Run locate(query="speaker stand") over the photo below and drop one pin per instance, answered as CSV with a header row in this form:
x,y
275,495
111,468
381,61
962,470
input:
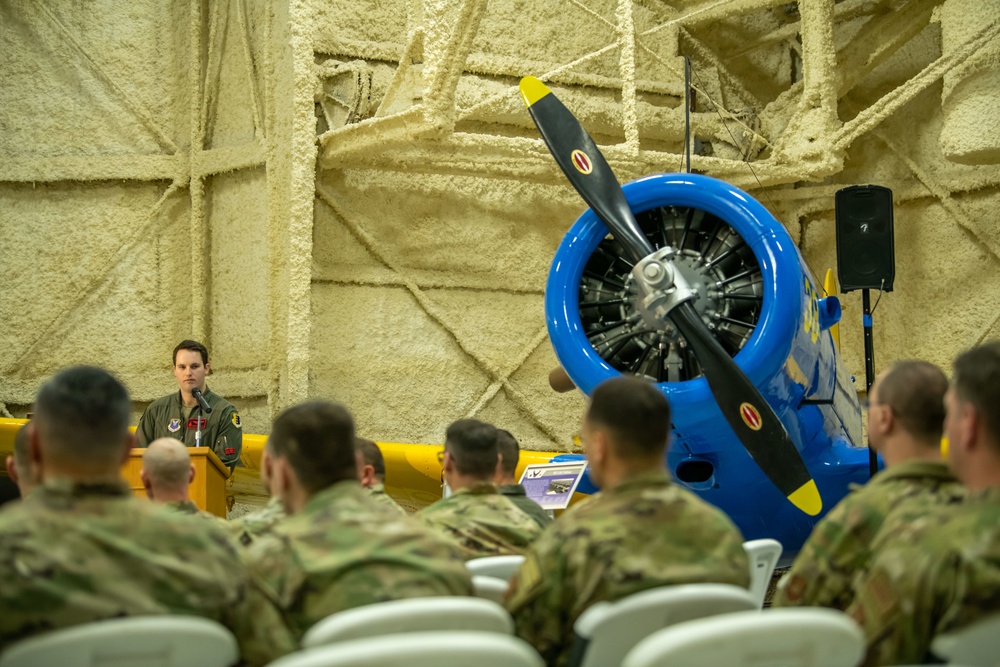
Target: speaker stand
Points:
x,y
866,306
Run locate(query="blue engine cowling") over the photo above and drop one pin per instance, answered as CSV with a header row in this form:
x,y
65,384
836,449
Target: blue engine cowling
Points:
x,y
790,357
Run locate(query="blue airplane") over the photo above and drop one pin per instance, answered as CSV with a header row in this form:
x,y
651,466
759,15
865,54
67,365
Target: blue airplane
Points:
x,y
690,282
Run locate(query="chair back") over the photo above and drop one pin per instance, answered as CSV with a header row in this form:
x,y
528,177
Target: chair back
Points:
x,y
138,641
446,613
800,637
422,649
500,567
977,645
489,588
608,630
763,556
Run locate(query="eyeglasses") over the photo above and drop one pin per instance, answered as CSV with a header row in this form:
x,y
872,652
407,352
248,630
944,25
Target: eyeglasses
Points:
x,y
440,457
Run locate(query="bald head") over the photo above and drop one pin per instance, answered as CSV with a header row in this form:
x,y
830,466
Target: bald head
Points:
x,y
167,470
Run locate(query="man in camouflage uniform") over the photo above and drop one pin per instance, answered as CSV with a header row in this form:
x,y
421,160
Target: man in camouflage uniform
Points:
x,y
371,472
508,486
905,421
476,516
253,525
167,473
339,548
19,463
942,572
82,548
177,415
640,532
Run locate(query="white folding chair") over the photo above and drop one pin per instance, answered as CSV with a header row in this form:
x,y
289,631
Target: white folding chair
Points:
x,y
500,567
139,641
608,630
420,649
977,645
800,637
444,613
763,556
489,588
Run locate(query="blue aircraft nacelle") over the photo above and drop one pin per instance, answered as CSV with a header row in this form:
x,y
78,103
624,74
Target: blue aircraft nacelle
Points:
x,y
761,301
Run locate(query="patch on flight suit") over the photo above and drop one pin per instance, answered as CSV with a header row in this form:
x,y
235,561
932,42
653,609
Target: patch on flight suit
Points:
x,y
229,450
174,425
192,423
236,421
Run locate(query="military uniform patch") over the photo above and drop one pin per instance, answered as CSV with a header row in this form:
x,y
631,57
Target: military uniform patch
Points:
x,y
236,421
174,425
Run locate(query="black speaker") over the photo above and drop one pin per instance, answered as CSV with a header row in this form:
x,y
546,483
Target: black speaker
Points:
x,y
865,255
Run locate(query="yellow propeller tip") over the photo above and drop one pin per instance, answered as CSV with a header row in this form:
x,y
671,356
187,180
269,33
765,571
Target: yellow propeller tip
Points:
x,y
532,90
807,498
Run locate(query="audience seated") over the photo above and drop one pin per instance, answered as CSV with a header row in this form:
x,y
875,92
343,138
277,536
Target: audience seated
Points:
x,y
167,473
250,526
905,422
82,548
339,548
508,486
19,463
371,472
475,515
942,571
641,531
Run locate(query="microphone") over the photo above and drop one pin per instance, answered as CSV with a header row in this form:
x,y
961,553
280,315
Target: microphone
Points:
x,y
201,400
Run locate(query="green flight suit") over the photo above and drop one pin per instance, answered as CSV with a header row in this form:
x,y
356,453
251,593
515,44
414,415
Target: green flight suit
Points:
x,y
644,533
841,544
168,417
517,495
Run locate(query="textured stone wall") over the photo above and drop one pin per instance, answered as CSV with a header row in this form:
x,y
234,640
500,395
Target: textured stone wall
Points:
x,y
347,198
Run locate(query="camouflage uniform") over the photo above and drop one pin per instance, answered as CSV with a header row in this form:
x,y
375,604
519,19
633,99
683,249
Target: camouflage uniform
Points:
x,y
377,492
517,495
188,508
482,522
939,574
254,525
73,553
345,550
641,534
168,417
841,544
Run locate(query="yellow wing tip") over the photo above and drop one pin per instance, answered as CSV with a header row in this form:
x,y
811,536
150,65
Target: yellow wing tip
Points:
x,y
807,498
532,90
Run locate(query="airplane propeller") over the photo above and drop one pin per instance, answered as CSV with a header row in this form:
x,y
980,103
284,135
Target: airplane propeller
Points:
x,y
663,294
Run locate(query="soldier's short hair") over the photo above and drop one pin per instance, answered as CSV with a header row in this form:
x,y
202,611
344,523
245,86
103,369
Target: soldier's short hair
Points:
x,y
22,457
509,451
473,447
82,414
372,456
167,463
635,413
194,346
977,381
915,391
317,440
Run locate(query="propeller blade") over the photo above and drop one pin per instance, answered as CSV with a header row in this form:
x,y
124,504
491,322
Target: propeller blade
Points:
x,y
584,165
751,418
754,422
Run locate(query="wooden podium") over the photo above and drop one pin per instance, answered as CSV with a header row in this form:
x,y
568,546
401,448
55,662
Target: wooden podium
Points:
x,y
208,490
